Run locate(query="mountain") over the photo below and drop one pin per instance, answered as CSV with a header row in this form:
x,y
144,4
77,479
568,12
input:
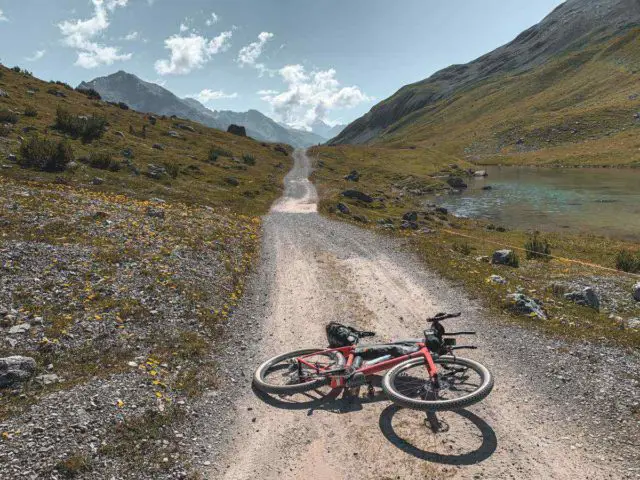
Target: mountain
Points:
x,y
322,129
149,97
571,78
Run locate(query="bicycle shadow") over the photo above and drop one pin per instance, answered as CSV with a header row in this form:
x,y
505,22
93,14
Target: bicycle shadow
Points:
x,y
332,401
483,452
325,399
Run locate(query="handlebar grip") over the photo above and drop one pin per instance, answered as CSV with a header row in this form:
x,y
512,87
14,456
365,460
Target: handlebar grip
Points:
x,y
366,334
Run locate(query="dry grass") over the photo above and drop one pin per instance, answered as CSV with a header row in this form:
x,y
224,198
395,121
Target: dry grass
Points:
x,y
576,110
197,182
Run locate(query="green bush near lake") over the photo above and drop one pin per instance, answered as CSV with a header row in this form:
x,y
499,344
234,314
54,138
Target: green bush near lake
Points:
x,y
537,248
627,261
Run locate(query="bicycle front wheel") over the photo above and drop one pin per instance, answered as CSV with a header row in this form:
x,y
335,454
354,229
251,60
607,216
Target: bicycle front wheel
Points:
x,y
282,375
461,382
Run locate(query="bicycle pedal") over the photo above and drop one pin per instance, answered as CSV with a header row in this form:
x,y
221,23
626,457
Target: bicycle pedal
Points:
x,y
356,380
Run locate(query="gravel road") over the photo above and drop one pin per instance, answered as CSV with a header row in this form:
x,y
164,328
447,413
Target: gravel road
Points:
x,y
558,411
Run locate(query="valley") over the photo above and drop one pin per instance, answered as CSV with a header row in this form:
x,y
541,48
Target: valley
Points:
x,y
154,250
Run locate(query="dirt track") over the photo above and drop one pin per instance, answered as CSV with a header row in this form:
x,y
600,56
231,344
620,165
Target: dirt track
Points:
x,y
316,270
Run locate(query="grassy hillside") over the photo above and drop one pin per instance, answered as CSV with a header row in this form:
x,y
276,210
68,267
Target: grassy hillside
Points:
x,y
459,249
191,175
578,109
118,281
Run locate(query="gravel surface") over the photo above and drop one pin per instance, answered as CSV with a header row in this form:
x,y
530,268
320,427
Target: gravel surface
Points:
x,y
559,410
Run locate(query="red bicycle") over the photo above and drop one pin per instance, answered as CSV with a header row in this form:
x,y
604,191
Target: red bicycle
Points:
x,y
424,374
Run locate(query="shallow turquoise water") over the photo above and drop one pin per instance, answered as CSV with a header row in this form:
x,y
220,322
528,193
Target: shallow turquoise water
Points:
x,y
603,202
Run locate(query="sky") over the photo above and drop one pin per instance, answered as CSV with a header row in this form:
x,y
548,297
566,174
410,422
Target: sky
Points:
x,y
297,61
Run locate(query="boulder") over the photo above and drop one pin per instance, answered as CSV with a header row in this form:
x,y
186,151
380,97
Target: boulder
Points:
x,y
503,257
361,218
156,171
357,195
410,216
483,259
487,187
158,146
48,379
480,173
233,181
496,280
153,120
16,369
281,149
442,210
173,134
3,93
586,297
237,130
97,181
354,176
127,153
405,225
342,208
524,305
12,158
636,292
633,323
188,128
456,182
20,328
154,212
118,133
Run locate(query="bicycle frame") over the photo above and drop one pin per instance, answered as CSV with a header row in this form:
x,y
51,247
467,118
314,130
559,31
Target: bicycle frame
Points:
x,y
338,380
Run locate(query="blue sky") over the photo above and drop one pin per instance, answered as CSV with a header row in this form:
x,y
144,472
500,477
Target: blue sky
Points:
x,y
296,60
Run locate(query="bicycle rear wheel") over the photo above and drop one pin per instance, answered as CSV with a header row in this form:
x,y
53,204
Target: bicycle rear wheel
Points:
x,y
462,382
281,375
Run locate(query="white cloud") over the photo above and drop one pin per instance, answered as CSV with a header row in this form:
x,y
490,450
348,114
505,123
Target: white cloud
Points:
x,y
310,96
249,54
131,36
79,34
214,19
207,95
183,27
36,56
2,17
191,52
262,93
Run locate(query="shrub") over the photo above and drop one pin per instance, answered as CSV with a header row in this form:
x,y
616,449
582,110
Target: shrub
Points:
x,y
248,159
627,261
90,93
87,128
7,116
62,84
123,106
46,155
172,169
462,247
30,112
537,247
213,156
16,69
103,161
513,260
221,152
